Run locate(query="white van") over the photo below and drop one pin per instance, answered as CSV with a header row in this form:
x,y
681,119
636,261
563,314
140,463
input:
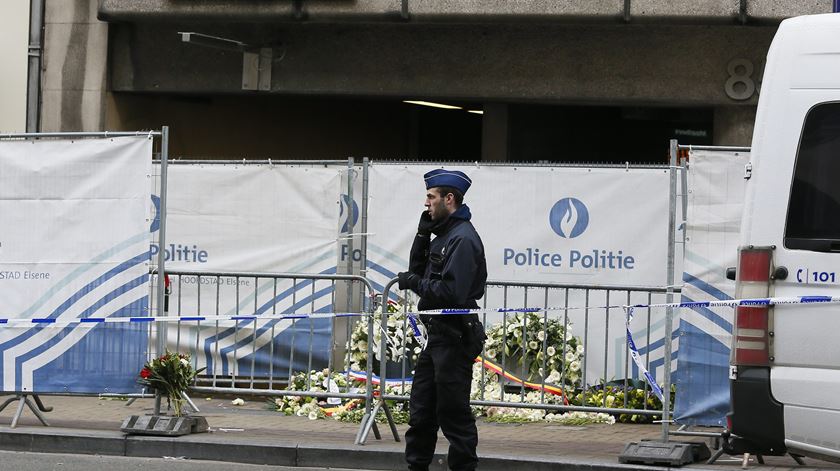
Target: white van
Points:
x,y
785,363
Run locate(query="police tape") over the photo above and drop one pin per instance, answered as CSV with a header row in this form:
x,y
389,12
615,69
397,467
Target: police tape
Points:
x,y
690,304
637,359
93,321
628,318
634,352
414,321
413,314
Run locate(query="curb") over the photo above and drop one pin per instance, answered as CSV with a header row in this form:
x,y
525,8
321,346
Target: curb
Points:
x,y
224,449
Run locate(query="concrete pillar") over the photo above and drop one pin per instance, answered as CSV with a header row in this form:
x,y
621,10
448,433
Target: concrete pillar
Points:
x,y
494,133
75,64
14,24
733,125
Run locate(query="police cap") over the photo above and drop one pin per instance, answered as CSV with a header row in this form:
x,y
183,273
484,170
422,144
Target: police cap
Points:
x,y
443,177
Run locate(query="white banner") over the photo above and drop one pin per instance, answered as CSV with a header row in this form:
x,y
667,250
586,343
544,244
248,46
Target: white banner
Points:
x,y
716,181
74,243
256,219
592,226
566,225
552,224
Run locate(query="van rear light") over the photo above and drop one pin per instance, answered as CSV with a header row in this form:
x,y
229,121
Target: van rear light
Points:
x,y
754,265
751,339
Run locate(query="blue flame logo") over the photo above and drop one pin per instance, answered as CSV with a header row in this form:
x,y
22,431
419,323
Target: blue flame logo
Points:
x,y
155,220
569,218
346,226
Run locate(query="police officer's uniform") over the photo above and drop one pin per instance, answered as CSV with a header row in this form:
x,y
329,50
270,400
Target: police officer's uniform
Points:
x,y
451,273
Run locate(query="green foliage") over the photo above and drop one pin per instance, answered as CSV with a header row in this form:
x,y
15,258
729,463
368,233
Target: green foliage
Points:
x,y
172,374
615,397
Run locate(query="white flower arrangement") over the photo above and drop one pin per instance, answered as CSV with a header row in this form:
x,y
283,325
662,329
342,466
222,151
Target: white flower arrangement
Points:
x,y
492,390
315,380
579,418
343,410
552,355
401,340
543,344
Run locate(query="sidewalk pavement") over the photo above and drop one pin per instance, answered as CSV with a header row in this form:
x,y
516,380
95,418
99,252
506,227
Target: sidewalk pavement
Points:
x,y
254,434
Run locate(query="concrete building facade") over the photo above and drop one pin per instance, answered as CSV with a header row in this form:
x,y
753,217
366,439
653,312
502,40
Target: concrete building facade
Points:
x,y
558,80
14,29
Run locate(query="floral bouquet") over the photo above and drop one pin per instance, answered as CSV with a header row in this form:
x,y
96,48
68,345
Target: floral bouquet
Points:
x,y
635,396
544,345
401,341
170,374
342,410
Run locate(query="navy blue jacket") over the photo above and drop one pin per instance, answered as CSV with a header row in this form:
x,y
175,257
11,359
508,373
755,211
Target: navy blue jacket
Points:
x,y
452,265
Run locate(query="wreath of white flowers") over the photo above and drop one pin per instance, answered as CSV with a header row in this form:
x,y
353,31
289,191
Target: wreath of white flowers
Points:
x,y
544,345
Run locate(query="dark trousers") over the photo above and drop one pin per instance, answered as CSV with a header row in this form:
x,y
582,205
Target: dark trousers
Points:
x,y
440,398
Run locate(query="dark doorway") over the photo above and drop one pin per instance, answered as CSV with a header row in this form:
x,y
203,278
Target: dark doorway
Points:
x,y
445,134
602,134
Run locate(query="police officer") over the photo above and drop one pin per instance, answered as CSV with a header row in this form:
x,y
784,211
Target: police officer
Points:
x,y
448,271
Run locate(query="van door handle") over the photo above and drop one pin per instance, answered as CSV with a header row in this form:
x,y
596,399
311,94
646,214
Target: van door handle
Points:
x,y
730,273
780,273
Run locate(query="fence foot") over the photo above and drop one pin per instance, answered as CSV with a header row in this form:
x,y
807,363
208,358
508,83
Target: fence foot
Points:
x,y
7,402
363,430
391,422
718,453
369,422
131,401
375,429
40,404
190,402
23,400
798,459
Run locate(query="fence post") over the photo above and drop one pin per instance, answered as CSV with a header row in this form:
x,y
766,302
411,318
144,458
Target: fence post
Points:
x,y
161,273
350,230
364,221
669,296
383,347
369,363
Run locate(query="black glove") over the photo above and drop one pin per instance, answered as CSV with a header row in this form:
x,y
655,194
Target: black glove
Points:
x,y
408,280
426,224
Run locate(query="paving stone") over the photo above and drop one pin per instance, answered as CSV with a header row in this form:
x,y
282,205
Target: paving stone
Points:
x,y
254,434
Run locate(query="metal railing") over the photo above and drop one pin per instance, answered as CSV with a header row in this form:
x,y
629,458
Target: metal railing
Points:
x,y
263,331
265,328
551,306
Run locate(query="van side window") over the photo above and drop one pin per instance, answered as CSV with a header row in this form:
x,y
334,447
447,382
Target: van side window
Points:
x,y
813,217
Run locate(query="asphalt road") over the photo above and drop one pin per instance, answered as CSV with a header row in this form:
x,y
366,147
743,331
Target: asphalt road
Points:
x,y
21,461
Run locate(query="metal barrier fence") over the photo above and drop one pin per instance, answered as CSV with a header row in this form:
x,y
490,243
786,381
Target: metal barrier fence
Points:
x,y
253,344
267,327
509,379
106,305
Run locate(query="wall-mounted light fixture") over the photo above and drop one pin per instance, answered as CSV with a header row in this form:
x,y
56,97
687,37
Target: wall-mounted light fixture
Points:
x,y
432,104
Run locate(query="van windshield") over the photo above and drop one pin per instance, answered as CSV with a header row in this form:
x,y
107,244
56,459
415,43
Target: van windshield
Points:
x,y
813,218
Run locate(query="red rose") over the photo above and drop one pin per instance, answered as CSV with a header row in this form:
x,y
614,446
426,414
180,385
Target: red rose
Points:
x,y
145,373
